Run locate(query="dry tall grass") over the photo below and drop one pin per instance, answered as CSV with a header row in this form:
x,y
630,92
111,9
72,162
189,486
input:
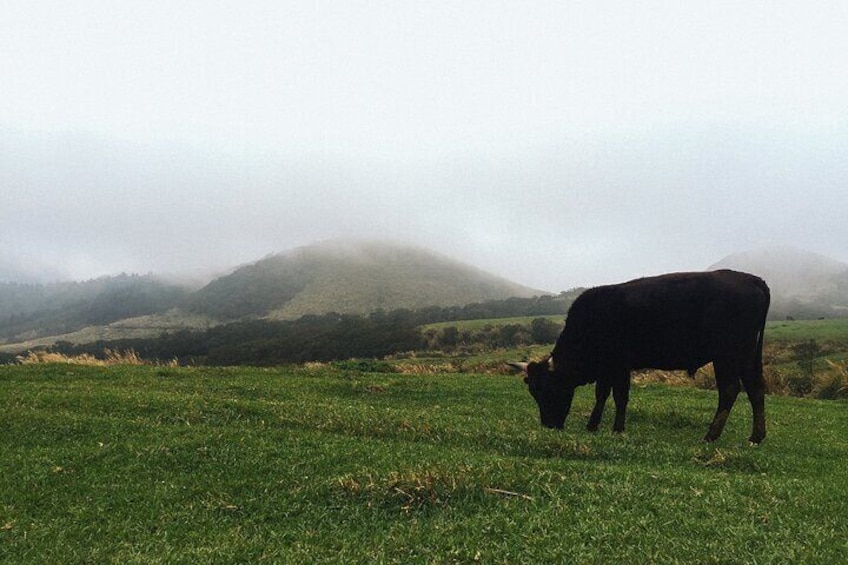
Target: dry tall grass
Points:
x,y
110,358
833,383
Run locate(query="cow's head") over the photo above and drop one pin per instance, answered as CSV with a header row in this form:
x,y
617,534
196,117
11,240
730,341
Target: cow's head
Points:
x,y
552,393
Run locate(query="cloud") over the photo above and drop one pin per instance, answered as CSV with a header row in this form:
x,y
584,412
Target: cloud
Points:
x,y
554,143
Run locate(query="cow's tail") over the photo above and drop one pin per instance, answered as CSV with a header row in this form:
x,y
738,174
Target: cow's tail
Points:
x,y
761,284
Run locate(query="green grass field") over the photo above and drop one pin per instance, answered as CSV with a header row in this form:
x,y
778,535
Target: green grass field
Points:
x,y
320,464
794,330
482,323
832,329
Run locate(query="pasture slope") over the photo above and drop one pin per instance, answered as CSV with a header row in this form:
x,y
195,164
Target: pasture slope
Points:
x,y
329,464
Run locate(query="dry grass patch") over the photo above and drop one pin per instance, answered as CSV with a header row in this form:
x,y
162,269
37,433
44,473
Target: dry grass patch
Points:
x,y
110,358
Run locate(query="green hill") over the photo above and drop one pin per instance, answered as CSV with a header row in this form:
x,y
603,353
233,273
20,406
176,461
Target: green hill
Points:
x,y
342,277
348,277
28,311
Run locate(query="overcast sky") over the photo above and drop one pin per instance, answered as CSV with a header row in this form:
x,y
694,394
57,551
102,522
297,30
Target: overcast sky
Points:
x,y
556,143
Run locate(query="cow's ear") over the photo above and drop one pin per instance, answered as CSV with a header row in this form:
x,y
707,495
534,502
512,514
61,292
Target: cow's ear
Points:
x,y
519,366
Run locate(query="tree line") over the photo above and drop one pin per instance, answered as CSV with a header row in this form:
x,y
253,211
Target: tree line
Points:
x,y
334,336
37,310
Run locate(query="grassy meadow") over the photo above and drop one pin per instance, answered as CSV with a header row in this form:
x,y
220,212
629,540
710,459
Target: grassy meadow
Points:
x,y
482,323
830,329
332,463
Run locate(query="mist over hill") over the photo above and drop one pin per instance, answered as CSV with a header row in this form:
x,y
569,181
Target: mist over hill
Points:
x,y
353,277
32,310
350,277
357,277
803,284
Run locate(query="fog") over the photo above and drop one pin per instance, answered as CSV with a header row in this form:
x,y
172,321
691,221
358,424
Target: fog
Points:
x,y
558,144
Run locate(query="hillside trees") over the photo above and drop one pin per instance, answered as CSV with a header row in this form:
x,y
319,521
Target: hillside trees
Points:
x,y
37,310
491,336
257,289
328,337
263,343
543,330
324,337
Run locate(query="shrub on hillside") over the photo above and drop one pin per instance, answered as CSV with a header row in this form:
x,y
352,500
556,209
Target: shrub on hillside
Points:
x,y
833,383
544,330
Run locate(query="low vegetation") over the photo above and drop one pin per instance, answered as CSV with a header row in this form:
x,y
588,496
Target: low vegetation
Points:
x,y
336,336
353,462
801,358
807,358
110,358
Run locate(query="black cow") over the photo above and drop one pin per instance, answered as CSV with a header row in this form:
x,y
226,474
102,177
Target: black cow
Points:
x,y
675,321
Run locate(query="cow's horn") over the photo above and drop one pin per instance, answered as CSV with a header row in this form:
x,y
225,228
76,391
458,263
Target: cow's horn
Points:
x,y
520,366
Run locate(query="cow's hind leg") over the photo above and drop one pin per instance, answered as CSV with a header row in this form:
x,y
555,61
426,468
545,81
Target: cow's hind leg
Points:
x,y
755,388
621,396
728,389
602,392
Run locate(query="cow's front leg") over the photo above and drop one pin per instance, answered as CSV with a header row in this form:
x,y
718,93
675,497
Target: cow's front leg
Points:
x,y
602,391
621,396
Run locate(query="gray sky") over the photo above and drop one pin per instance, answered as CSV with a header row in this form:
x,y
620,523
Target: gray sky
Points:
x,y
556,143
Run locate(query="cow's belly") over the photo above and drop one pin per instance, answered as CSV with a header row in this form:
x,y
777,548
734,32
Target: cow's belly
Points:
x,y
670,359
691,365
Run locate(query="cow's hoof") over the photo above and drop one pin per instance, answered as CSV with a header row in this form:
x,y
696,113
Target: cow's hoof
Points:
x,y
756,439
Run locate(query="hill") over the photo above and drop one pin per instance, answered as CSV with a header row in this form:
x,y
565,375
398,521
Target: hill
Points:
x,y
29,311
351,278
803,284
348,278
358,277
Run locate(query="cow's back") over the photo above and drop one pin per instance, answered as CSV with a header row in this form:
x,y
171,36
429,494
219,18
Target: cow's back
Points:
x,y
675,321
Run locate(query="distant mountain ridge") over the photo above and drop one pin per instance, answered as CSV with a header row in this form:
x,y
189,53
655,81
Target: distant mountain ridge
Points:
x,y
803,284
349,277
357,277
32,310
353,277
